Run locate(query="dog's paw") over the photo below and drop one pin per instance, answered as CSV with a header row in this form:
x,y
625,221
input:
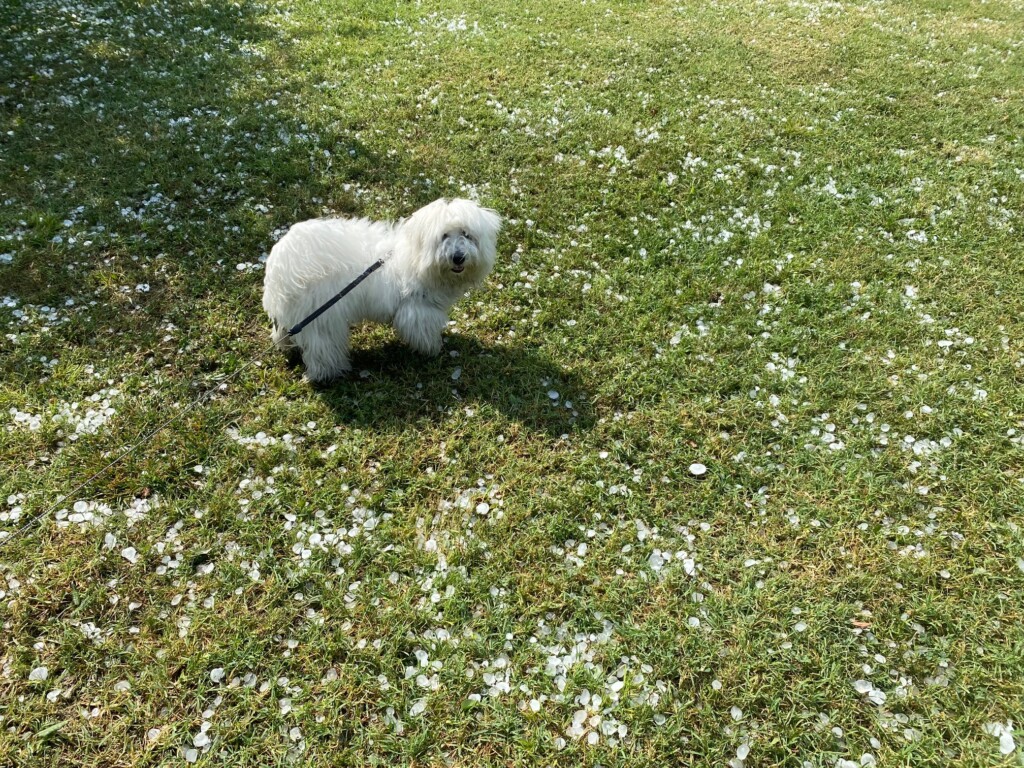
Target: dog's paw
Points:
x,y
321,378
433,349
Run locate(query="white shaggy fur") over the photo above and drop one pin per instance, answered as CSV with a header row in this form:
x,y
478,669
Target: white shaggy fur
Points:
x,y
432,258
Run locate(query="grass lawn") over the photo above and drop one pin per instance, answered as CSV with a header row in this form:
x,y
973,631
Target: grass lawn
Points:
x,y
779,238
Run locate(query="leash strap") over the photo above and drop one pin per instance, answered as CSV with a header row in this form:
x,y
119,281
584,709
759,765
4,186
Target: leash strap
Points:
x,y
337,297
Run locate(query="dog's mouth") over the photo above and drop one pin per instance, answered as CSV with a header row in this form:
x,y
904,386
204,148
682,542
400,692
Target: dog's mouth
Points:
x,y
458,268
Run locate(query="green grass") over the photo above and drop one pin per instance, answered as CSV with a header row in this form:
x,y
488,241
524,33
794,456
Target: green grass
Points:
x,y
782,239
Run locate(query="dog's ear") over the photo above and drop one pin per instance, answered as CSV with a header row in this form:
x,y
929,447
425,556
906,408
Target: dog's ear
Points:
x,y
421,227
490,221
487,224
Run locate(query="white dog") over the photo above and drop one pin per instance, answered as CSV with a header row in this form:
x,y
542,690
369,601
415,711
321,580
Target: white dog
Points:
x,y
430,260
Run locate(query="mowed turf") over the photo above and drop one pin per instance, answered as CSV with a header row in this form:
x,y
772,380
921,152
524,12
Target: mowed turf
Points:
x,y
778,239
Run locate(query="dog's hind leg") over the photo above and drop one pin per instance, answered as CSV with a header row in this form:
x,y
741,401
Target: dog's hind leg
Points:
x,y
285,344
281,338
325,355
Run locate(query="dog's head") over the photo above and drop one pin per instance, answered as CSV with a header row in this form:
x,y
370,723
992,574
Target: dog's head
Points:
x,y
453,241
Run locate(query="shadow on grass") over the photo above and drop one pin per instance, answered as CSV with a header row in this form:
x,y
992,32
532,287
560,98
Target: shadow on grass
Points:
x,y
393,387
184,160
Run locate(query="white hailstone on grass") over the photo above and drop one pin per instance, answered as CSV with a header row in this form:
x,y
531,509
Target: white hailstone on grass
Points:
x,y
878,697
152,734
217,674
200,740
38,674
800,626
418,707
191,755
742,751
1006,744
698,470
868,691
716,684
129,554
456,374
736,713
553,394
1003,732
122,686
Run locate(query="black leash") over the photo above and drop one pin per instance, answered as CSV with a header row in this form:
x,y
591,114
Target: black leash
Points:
x,y
296,329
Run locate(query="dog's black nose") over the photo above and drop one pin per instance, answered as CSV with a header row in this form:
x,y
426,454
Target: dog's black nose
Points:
x,y
458,259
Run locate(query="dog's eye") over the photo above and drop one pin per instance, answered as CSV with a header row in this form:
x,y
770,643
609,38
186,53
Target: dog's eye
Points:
x,y
444,237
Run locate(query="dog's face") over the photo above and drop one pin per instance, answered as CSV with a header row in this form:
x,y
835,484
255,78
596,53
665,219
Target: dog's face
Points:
x,y
459,247
455,241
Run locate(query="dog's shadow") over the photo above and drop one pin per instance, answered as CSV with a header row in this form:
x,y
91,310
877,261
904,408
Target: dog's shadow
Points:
x,y
392,387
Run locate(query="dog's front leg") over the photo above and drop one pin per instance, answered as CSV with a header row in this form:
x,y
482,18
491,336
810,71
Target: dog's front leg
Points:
x,y
420,326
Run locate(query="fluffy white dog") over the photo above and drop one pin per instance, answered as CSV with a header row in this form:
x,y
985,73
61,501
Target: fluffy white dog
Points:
x,y
430,260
